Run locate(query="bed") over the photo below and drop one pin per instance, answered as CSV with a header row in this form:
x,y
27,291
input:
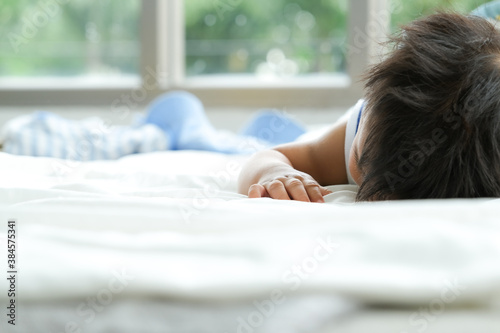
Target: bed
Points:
x,y
162,242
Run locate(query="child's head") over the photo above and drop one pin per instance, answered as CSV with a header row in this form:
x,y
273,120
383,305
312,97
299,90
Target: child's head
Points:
x,y
432,118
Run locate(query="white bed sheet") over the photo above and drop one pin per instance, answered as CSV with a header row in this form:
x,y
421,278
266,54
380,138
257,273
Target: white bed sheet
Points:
x,y
172,225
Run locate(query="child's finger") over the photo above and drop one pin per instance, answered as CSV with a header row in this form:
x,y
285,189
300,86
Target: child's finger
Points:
x,y
296,190
257,191
324,191
277,190
314,192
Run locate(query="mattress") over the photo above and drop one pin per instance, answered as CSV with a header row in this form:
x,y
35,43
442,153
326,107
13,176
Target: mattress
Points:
x,y
104,245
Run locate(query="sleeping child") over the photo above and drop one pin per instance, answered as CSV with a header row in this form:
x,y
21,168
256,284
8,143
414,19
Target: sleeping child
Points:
x,y
428,127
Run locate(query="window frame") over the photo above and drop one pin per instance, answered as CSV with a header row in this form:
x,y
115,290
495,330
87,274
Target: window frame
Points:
x,y
162,68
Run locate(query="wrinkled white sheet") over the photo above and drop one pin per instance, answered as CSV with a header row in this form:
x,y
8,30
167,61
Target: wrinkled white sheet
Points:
x,y
171,224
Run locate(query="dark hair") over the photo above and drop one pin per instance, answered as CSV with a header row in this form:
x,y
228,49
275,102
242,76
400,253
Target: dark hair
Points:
x,y
432,113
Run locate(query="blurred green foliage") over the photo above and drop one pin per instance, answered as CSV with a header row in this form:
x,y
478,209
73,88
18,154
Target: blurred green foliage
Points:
x,y
404,11
72,38
216,43
283,37
237,36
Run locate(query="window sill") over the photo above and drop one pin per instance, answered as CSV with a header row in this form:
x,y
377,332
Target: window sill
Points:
x,y
215,91
69,83
315,81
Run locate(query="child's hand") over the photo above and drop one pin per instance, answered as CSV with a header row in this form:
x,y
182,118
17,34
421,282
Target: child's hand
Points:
x,y
292,186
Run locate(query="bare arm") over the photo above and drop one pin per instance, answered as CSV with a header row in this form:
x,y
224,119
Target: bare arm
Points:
x,y
299,170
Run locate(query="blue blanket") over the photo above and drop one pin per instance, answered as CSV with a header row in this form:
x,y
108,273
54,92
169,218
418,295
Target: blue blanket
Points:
x,y
175,121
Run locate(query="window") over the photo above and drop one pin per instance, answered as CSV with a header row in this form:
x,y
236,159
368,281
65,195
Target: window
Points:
x,y
406,11
77,38
280,38
282,53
